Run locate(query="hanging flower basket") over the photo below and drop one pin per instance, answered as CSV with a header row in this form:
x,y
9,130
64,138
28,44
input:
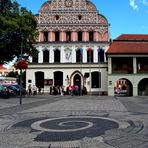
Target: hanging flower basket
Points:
x,y
21,64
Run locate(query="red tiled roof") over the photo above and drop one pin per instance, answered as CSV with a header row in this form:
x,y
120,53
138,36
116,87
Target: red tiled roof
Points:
x,y
2,68
129,44
133,37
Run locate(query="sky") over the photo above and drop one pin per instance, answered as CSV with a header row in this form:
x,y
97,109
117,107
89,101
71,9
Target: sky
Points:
x,y
124,16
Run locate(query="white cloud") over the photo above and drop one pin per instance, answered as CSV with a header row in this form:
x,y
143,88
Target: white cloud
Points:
x,y
145,2
133,4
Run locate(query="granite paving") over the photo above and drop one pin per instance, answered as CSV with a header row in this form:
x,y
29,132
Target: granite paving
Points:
x,y
46,121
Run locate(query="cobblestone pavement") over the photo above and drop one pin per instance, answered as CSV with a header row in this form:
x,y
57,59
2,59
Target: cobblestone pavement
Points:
x,y
45,121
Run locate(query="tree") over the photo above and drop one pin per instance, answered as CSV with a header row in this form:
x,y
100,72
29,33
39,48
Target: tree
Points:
x,y
5,6
17,30
13,74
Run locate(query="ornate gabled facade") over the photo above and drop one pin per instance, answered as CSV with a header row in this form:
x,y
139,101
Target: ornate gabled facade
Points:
x,y
73,38
81,15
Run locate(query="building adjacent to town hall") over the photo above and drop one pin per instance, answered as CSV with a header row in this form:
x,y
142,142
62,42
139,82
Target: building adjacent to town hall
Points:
x,y
73,39
128,65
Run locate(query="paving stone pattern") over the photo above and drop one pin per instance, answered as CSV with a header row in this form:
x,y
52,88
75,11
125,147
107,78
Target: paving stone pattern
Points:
x,y
100,122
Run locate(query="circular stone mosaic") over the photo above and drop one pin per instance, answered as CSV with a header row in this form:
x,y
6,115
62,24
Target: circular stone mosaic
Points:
x,y
69,128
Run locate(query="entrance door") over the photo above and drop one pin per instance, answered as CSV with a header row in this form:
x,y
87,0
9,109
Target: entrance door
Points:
x,y
77,82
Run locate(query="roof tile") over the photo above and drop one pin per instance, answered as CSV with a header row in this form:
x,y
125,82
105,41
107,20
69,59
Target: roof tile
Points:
x,y
129,44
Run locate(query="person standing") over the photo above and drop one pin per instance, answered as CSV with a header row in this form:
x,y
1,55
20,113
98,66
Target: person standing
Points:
x,y
34,89
77,90
39,90
29,89
72,90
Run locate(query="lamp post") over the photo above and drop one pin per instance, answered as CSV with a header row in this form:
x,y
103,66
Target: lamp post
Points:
x,y
21,73
21,64
81,85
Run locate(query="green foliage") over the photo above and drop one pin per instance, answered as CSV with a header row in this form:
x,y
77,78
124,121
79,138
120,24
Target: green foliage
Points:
x,y
17,25
13,74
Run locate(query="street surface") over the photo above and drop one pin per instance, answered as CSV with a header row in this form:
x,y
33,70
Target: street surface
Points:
x,y
44,121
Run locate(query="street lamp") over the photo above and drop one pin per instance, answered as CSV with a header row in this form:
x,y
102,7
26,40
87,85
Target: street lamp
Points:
x,y
21,73
21,64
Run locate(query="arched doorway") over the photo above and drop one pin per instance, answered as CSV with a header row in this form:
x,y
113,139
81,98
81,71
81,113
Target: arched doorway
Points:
x,y
123,87
143,87
77,80
77,84
39,79
58,78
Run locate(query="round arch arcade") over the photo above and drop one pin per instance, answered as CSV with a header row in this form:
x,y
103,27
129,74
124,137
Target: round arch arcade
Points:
x,y
123,87
143,87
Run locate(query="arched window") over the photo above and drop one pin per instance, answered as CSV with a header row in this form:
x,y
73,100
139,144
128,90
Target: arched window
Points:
x,y
79,56
46,56
90,55
96,79
57,56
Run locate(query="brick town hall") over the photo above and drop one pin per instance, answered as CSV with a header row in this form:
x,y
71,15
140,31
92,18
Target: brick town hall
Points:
x,y
73,38
72,46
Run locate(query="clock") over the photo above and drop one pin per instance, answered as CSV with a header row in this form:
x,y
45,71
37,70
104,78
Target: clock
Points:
x,y
68,3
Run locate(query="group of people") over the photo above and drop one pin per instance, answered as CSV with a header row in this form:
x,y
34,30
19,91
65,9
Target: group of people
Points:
x,y
73,90
32,89
56,90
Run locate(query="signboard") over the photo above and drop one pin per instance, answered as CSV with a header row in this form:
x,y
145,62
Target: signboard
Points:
x,y
48,81
8,80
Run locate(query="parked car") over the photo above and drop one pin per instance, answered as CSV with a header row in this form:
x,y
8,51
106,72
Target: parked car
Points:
x,y
18,88
12,90
4,92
